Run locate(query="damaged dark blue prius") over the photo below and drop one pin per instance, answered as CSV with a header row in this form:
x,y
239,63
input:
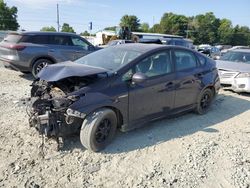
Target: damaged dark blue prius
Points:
x,y
120,87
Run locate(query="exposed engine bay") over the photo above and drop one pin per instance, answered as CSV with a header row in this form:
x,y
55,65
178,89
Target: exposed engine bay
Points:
x,y
49,105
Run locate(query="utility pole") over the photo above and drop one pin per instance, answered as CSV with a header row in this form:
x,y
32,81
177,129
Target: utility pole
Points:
x,y
58,23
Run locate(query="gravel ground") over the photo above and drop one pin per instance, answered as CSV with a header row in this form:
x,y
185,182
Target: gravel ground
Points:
x,y
189,151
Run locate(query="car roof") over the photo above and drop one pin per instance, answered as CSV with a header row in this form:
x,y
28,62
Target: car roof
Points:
x,y
47,33
139,47
241,50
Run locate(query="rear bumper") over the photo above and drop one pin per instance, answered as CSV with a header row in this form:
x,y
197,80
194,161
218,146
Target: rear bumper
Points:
x,y
14,65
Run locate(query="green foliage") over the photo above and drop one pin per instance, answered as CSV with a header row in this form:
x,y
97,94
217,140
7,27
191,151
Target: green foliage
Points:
x,y
206,28
51,28
156,28
112,28
85,33
8,17
241,35
130,21
67,28
225,31
144,27
174,24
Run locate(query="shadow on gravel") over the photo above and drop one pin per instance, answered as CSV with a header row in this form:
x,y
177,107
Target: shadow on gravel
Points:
x,y
27,76
223,108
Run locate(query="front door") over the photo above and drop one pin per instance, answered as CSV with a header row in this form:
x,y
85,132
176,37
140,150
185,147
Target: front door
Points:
x,y
155,96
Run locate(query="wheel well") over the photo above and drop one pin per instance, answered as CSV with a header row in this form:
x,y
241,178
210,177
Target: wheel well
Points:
x,y
43,57
212,89
118,115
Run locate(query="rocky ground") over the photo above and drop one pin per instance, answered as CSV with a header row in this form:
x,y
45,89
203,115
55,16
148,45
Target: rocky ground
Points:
x,y
189,151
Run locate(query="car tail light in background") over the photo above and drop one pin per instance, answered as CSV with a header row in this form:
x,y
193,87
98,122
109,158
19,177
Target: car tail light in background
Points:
x,y
14,47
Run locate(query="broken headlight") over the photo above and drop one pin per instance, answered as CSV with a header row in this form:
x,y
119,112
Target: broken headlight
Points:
x,y
75,113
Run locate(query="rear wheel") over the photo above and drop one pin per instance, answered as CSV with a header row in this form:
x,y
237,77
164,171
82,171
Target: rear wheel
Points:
x,y
98,129
39,65
204,101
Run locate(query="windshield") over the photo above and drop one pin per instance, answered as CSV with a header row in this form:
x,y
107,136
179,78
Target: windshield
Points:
x,y
243,57
111,58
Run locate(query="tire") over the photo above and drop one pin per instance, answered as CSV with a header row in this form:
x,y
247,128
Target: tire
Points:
x,y
38,65
93,135
204,101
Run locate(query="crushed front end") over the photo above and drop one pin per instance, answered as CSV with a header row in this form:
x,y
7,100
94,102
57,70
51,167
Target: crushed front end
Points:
x,y
49,109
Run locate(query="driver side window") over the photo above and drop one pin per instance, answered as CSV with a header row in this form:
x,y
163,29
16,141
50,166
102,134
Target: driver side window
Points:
x,y
155,65
79,42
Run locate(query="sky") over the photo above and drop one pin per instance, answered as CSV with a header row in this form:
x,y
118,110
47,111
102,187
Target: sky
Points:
x,y
35,14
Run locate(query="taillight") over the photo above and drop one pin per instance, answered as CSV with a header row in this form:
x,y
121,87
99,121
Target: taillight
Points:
x,y
15,47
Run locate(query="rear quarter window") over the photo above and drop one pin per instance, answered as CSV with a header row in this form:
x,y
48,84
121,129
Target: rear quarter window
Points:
x,y
13,38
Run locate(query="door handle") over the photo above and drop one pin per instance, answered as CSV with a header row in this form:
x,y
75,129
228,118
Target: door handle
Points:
x,y
77,51
169,85
199,75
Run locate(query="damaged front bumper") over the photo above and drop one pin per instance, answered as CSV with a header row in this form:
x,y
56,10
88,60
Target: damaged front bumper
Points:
x,y
53,117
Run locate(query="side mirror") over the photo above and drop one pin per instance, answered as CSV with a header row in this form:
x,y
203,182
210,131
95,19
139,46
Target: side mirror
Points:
x,y
139,78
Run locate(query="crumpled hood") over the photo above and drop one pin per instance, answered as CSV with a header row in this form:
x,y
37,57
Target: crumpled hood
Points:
x,y
67,69
233,66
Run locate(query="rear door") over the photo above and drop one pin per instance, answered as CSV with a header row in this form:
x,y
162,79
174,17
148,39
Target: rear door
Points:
x,y
188,77
155,96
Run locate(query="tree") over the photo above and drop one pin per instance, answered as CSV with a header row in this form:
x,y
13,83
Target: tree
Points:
x,y
112,28
144,27
130,21
67,28
225,31
8,17
206,29
174,24
241,35
156,28
85,33
51,28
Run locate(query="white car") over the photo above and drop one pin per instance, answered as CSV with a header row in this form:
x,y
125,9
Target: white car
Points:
x,y
234,70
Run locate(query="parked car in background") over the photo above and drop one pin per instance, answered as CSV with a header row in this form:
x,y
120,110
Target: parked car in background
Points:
x,y
117,42
31,51
165,39
210,51
121,87
234,48
234,70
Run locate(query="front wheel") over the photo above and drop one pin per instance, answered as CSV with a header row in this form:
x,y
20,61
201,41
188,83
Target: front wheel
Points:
x,y
98,129
204,101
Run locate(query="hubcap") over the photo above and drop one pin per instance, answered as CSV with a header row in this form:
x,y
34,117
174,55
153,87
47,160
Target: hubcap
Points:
x,y
205,101
103,131
41,66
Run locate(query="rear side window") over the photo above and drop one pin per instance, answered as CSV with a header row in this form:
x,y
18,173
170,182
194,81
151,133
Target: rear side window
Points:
x,y
36,39
184,60
61,40
13,38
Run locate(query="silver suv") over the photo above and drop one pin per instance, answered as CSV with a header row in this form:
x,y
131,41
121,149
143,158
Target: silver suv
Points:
x,y
31,51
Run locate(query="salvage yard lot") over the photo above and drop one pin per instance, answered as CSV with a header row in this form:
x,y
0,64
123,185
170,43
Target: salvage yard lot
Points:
x,y
212,150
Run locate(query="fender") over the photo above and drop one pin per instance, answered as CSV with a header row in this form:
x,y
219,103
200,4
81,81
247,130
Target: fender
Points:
x,y
93,101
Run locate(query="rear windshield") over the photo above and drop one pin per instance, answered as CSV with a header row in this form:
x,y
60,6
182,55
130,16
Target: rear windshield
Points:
x,y
13,38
